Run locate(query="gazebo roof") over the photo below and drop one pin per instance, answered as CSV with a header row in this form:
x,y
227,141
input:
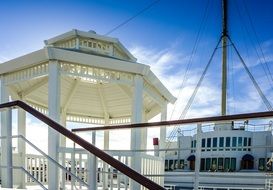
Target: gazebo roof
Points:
x,y
94,81
91,35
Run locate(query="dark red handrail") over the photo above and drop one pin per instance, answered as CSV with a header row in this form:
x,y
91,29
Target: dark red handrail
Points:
x,y
181,122
144,181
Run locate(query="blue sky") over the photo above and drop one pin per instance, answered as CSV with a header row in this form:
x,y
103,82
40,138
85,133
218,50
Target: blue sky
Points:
x,y
162,37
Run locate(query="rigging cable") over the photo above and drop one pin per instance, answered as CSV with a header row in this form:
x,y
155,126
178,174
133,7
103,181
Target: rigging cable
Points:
x,y
193,52
189,64
232,80
265,100
132,17
187,107
257,40
253,44
189,103
228,84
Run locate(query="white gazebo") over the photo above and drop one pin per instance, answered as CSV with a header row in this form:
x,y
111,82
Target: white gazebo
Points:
x,y
84,77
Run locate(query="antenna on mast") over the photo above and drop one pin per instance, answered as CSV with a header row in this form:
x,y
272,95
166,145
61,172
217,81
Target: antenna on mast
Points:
x,y
224,58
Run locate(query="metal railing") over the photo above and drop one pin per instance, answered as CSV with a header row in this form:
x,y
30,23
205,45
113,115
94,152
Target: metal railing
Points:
x,y
245,116
183,123
142,180
114,162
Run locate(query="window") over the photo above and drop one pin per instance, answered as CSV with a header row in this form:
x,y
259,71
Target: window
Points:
x,y
171,166
166,165
227,142
213,164
202,166
221,142
233,164
214,143
227,164
175,164
240,141
203,144
261,166
192,146
181,164
268,165
208,164
249,144
234,142
208,143
245,143
220,164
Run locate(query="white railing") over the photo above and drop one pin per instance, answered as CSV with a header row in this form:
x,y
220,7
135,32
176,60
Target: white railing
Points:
x,y
229,188
269,181
107,176
37,166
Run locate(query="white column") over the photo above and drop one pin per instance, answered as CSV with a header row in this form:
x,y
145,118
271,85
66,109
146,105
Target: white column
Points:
x,y
77,43
197,155
106,134
63,123
63,144
162,139
54,113
22,144
6,144
92,167
106,147
144,133
137,108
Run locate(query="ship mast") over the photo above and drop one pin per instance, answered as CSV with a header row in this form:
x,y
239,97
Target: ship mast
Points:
x,y
224,58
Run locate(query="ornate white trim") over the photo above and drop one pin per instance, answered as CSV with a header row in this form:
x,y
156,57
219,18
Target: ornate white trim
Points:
x,y
84,119
26,74
95,75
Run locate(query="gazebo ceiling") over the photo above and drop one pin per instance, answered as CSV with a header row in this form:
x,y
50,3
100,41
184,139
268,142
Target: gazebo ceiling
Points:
x,y
83,98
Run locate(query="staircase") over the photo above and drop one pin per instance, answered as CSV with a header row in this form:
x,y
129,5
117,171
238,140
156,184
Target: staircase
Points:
x,y
82,171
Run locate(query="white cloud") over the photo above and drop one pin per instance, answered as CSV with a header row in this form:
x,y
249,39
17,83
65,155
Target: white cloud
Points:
x,y
36,133
207,101
162,62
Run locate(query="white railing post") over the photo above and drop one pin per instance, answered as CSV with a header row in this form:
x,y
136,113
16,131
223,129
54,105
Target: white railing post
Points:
x,y
54,113
106,147
80,169
162,139
6,144
73,164
92,167
22,144
197,155
136,134
63,144
63,173
9,149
